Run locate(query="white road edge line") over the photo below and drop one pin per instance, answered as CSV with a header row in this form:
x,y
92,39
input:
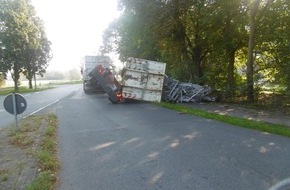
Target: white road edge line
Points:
x,y
40,109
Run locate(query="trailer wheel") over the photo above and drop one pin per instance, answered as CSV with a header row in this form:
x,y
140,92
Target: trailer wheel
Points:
x,y
85,89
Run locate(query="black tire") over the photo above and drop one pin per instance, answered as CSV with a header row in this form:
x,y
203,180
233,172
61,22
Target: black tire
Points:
x,y
85,90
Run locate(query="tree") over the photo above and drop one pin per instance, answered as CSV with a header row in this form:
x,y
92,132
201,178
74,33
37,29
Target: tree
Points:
x,y
132,34
38,50
21,39
272,49
209,41
175,30
13,37
38,56
256,14
231,17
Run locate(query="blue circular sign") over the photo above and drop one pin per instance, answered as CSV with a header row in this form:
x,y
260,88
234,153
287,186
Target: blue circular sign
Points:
x,y
19,101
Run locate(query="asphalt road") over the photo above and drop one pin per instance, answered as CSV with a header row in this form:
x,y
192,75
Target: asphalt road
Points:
x,y
36,102
142,146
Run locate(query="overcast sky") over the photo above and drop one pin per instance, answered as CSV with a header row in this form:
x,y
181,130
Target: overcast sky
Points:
x,y
75,28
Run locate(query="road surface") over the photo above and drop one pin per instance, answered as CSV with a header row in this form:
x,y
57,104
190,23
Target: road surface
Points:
x,y
36,102
143,146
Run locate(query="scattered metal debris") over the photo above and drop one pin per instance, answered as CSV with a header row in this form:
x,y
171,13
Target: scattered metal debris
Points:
x,y
175,91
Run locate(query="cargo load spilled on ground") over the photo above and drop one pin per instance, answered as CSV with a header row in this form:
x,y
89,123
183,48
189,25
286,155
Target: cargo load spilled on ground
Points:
x,y
175,91
146,80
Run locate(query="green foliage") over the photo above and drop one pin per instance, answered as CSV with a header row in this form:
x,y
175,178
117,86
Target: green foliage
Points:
x,y
138,38
23,44
206,41
23,90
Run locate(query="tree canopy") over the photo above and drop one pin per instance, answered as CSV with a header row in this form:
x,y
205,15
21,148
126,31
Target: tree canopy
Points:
x,y
24,46
234,46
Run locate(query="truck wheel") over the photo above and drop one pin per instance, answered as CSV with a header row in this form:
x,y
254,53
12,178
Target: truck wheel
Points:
x,y
85,89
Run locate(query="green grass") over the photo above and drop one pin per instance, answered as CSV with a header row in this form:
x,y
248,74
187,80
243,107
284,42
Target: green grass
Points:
x,y
242,122
4,174
24,135
25,89
44,182
22,90
46,154
47,158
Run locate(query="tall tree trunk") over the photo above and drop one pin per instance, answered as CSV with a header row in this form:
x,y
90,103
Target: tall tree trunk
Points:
x,y
230,54
230,74
15,85
197,55
251,45
15,76
30,83
190,70
34,76
197,64
29,76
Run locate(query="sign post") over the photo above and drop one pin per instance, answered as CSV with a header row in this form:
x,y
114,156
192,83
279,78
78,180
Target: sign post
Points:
x,y
15,104
15,109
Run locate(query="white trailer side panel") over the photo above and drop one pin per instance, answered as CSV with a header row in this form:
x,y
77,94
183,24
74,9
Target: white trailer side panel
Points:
x,y
141,94
152,67
143,79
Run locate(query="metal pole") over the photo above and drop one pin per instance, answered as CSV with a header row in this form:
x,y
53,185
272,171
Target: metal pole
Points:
x,y
14,109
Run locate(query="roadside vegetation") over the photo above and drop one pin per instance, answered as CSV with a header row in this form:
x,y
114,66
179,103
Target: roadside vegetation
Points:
x,y
30,153
25,89
25,48
246,123
47,158
235,47
22,90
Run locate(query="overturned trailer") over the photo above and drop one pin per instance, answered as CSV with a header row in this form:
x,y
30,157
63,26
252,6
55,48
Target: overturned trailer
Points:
x,y
143,79
146,80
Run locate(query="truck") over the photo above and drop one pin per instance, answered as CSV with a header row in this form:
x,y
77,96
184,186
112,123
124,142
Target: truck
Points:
x,y
88,63
141,80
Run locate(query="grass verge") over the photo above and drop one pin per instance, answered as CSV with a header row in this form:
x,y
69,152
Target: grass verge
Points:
x,y
36,135
242,122
47,158
22,89
25,89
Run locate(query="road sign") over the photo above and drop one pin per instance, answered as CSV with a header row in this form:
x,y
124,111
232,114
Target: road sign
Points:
x,y
20,104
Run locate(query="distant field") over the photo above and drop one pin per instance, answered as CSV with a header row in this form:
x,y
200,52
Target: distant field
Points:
x,y
38,82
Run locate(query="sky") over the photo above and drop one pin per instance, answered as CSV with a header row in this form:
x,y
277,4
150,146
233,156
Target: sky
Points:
x,y
75,28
